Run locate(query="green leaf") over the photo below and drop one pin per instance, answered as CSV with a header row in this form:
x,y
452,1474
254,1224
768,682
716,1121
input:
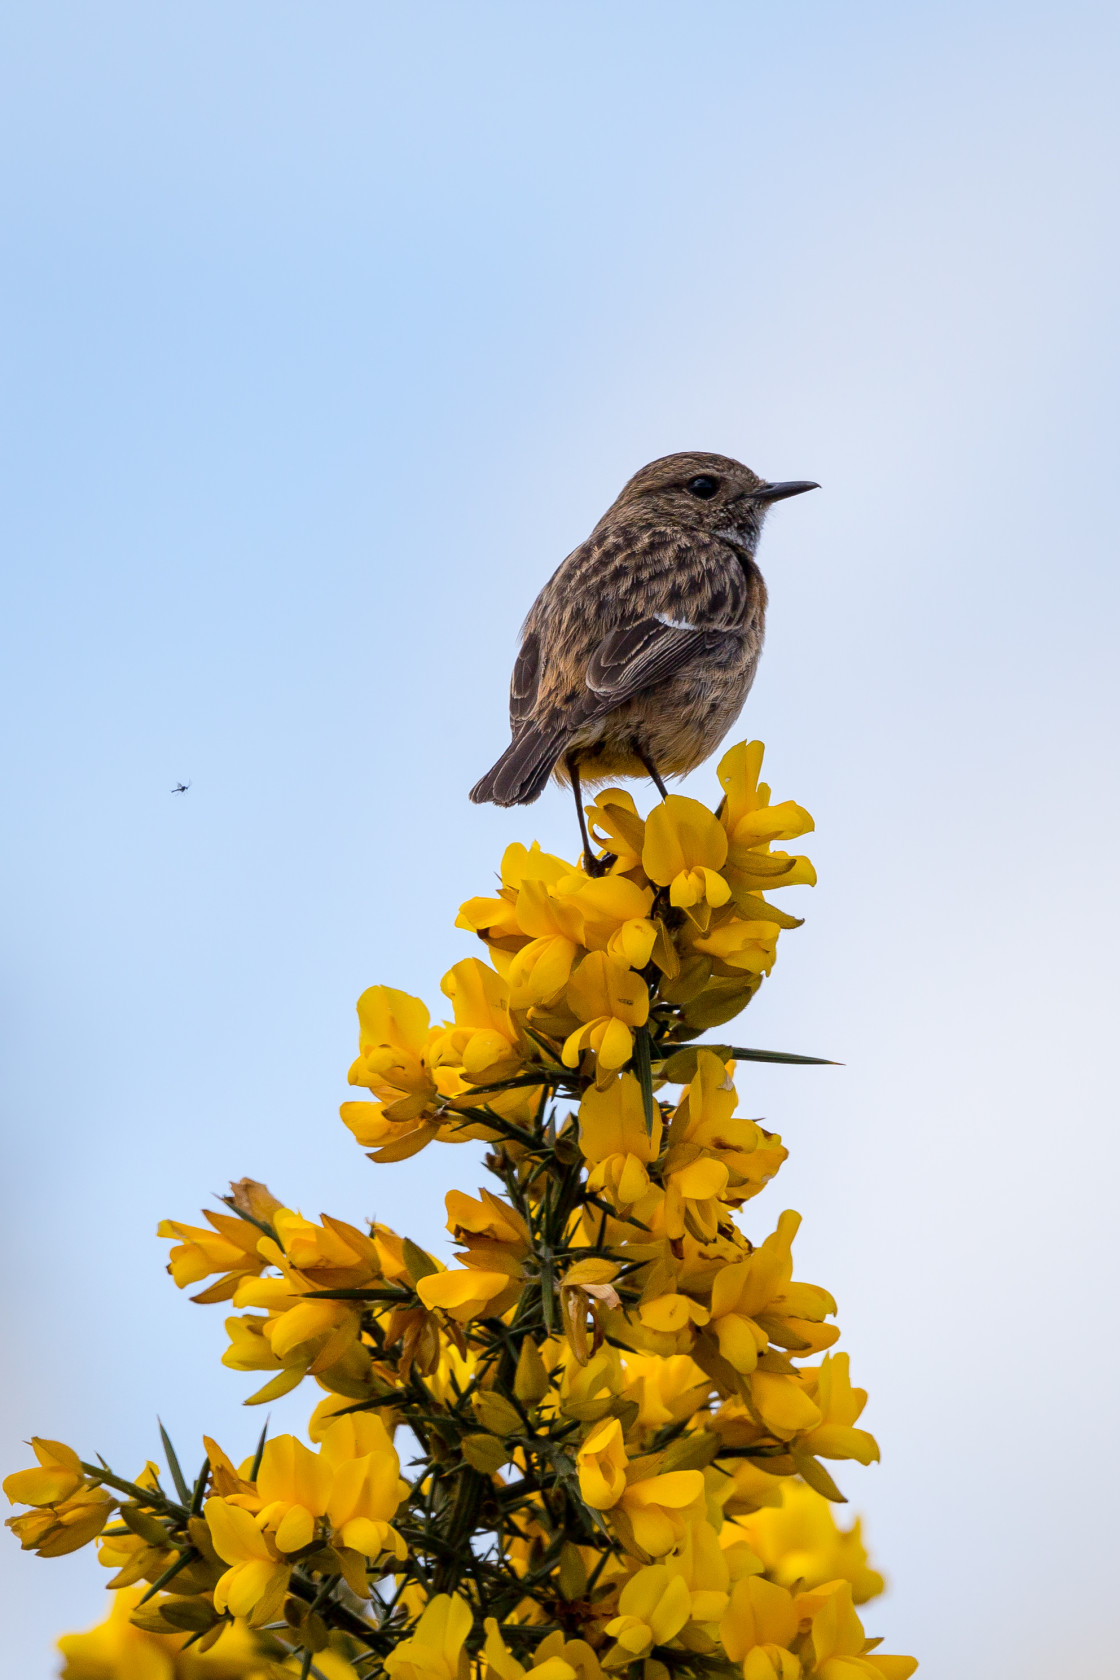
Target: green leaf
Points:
x,y
691,1452
495,1413
572,1574
417,1263
189,1615
484,1452
811,1470
148,1529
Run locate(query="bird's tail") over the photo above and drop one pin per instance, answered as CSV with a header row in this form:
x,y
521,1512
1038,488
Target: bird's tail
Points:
x,y
520,774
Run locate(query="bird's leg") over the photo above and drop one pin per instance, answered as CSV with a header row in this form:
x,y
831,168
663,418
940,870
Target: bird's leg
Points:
x,y
652,770
590,862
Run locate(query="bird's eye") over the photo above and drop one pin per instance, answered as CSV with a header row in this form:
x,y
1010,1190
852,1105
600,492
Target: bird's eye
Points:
x,y
703,487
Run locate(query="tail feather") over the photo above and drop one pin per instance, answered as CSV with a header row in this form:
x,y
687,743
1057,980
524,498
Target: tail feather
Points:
x,y
523,769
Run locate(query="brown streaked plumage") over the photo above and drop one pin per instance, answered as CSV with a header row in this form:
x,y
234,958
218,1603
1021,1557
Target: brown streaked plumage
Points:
x,y
639,652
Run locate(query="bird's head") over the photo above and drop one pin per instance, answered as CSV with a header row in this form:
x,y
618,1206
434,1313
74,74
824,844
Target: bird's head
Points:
x,y
708,492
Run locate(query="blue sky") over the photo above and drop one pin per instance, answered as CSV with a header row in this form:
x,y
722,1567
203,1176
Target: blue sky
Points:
x,y
328,331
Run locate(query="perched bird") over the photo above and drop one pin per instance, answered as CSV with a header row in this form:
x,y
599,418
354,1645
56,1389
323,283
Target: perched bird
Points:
x,y
639,652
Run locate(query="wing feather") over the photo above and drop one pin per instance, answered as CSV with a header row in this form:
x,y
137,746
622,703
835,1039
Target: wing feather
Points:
x,y
524,682
642,655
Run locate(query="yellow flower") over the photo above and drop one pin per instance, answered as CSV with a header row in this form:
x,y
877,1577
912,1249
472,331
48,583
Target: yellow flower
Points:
x,y
418,1071
667,1389
393,1140
59,1475
757,1629
117,1650
739,947
541,969
615,915
658,1510
551,1658
713,1159
392,1052
672,1313
685,848
328,1253
230,1248
495,919
495,1237
800,1540
70,1510
293,1484
346,1494
609,999
257,1579
761,1286
782,1404
483,1041
702,1565
302,1334
250,1350
763,1620
468,1292
751,1489
613,1137
617,827
753,824
587,1391
654,1606
436,1650
561,913
838,1640
365,1487
602,1465
829,1386
695,1198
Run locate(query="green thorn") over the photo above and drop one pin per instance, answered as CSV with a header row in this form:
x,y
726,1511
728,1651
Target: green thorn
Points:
x,y
199,1491
187,1555
177,1476
644,1071
259,1454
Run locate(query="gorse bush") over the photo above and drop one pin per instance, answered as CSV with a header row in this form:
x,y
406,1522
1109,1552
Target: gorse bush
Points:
x,y
596,1443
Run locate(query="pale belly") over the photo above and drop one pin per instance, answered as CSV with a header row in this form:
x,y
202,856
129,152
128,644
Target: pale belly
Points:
x,y
678,725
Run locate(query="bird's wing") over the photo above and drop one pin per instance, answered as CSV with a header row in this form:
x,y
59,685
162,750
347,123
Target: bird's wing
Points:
x,y
523,683
642,655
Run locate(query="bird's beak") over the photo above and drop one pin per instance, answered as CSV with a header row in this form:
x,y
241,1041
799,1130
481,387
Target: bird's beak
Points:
x,y
779,492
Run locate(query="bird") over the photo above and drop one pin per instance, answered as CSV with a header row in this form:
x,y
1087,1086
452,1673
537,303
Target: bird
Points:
x,y
639,652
